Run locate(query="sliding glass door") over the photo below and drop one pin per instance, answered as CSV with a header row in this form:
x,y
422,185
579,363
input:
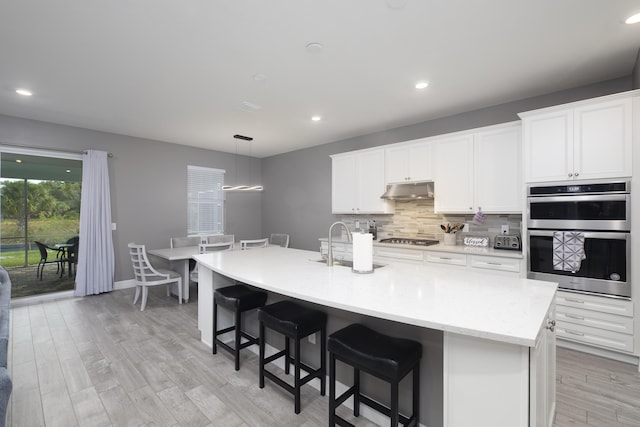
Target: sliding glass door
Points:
x,y
39,221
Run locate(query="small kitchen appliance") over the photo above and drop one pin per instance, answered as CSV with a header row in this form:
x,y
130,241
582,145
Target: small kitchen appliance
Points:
x,y
507,241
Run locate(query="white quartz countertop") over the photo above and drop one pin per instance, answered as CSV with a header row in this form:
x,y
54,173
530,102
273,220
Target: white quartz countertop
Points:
x,y
441,247
499,308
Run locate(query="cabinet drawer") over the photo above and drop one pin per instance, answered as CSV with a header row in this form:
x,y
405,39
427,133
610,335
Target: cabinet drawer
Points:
x,y
595,319
399,253
596,303
446,258
493,263
594,336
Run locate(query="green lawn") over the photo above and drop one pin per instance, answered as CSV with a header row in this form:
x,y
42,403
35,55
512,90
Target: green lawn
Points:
x,y
16,258
48,231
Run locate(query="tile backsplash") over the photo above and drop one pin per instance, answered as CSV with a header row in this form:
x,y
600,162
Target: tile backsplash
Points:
x,y
416,218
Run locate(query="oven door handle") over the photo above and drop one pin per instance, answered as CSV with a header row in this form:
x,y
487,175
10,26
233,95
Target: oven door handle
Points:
x,y
584,198
587,234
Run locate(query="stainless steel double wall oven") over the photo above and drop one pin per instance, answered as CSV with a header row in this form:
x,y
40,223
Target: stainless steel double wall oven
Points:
x,y
601,211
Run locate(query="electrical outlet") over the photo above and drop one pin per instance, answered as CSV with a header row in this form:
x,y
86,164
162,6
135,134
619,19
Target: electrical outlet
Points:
x,y
312,338
505,229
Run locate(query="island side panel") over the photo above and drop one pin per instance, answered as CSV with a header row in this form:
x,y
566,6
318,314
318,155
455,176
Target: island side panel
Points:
x,y
485,382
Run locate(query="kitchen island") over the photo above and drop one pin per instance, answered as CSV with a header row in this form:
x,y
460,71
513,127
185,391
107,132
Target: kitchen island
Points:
x,y
489,353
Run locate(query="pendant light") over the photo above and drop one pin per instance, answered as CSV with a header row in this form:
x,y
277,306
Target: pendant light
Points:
x,y
241,187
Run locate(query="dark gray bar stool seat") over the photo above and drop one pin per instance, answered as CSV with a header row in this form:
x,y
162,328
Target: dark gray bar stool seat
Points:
x,y
294,322
238,299
382,356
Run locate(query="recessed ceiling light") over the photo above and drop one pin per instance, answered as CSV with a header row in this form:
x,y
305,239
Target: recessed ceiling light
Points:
x,y
68,171
18,161
24,92
316,118
314,47
422,85
633,19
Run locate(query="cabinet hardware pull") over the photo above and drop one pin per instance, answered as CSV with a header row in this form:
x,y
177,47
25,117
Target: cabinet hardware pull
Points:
x,y
577,174
574,333
574,300
551,325
570,175
494,263
444,258
573,316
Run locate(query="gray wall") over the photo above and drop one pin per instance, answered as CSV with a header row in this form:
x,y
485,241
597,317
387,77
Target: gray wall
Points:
x,y
635,74
298,184
148,183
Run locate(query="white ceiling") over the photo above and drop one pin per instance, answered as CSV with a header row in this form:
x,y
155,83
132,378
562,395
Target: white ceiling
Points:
x,y
178,71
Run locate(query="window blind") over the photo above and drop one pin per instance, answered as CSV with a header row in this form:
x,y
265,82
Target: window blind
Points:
x,y
205,200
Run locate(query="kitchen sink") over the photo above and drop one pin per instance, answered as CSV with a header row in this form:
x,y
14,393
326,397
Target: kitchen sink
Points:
x,y
344,263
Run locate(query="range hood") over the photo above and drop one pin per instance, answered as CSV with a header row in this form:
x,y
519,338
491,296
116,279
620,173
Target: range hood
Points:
x,y
409,191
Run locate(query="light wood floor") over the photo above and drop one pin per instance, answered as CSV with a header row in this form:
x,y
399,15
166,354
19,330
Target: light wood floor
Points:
x,y
99,361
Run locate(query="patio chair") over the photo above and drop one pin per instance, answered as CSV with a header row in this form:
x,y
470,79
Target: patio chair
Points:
x,y
50,255
146,275
72,254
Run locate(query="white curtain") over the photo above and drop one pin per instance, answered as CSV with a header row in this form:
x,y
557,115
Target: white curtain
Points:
x,y
95,253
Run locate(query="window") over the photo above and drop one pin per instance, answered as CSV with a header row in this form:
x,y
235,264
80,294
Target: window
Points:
x,y
205,200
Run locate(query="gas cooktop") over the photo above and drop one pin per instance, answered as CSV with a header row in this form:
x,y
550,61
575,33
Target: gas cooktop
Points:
x,y
407,241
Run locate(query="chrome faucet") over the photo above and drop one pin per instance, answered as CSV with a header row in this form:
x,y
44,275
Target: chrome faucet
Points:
x,y
330,254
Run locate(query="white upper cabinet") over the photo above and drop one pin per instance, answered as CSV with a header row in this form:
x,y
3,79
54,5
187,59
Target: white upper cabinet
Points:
x,y
479,170
409,162
357,182
453,186
587,140
497,155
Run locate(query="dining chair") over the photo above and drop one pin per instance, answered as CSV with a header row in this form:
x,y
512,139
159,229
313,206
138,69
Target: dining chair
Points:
x,y
210,247
252,244
45,252
220,238
146,275
183,242
279,240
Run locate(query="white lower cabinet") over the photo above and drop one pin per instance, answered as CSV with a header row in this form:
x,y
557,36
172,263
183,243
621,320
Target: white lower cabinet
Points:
x,y
398,254
480,263
594,320
447,258
497,264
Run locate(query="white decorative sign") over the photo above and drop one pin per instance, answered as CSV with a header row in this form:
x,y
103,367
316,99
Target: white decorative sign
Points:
x,y
476,241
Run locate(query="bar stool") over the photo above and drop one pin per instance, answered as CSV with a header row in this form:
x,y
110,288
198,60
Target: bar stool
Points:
x,y
382,356
294,322
236,298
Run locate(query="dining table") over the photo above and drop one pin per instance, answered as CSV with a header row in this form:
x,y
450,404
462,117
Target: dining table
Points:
x,y
178,260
